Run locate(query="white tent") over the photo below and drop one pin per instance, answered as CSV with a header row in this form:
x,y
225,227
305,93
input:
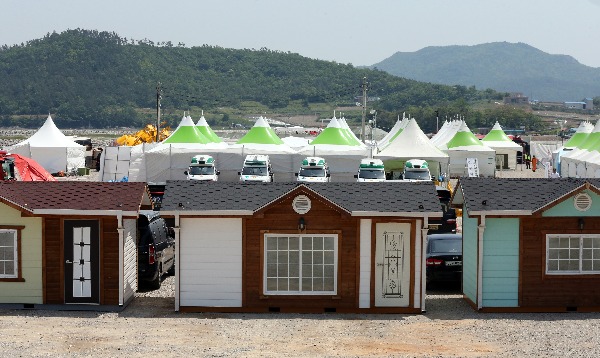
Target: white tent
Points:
x,y
393,133
52,149
581,134
584,160
506,149
412,143
442,138
465,145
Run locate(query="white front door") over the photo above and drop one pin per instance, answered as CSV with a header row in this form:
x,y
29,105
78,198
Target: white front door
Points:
x,y
392,264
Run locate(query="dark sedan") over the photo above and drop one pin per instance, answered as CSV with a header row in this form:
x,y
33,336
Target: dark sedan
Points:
x,y
444,258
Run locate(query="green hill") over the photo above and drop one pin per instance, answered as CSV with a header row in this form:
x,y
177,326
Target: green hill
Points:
x,y
502,66
98,79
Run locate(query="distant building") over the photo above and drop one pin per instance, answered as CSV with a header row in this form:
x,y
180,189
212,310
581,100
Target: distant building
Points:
x,y
516,98
587,103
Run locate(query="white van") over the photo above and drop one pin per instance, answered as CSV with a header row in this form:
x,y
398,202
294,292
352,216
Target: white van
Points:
x,y
416,170
370,170
314,170
202,167
256,168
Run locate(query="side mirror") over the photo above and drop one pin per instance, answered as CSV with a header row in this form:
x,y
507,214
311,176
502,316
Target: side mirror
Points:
x,y
328,175
185,172
355,176
296,174
218,172
239,173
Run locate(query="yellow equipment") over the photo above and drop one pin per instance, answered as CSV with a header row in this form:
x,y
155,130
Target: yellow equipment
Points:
x,y
146,135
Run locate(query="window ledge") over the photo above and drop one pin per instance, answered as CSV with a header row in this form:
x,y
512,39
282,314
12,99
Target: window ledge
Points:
x,y
15,279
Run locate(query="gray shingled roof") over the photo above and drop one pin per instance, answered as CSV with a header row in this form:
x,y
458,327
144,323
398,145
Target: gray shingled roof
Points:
x,y
502,194
371,197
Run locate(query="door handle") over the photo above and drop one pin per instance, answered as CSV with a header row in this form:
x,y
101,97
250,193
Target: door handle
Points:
x,y
68,262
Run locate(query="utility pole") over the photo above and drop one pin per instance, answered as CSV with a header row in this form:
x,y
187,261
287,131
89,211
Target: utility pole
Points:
x,y
158,97
364,87
437,120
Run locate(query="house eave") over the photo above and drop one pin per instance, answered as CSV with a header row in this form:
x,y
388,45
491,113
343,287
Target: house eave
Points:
x,y
74,212
435,214
500,212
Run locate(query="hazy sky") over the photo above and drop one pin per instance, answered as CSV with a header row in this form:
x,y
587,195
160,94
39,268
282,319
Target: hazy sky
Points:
x,y
347,31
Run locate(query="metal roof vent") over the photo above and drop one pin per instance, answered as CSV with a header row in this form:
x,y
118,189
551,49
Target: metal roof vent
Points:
x,y
582,202
301,204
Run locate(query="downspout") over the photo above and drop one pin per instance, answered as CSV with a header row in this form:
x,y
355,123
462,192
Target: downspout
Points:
x,y
121,259
424,231
177,262
480,231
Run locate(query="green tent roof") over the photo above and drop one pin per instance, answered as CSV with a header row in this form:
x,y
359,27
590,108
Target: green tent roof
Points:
x,y
260,133
334,134
496,135
186,132
205,129
464,138
584,130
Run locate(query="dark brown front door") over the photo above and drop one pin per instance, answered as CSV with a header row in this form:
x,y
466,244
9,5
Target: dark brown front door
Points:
x,y
82,266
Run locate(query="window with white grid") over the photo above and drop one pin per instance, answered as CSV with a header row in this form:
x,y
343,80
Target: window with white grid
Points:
x,y
8,254
300,264
572,254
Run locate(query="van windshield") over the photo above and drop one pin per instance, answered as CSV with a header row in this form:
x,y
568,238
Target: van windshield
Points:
x,y
204,170
371,174
418,175
255,171
312,172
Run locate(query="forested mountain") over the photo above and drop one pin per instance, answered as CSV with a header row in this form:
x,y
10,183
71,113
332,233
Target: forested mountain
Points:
x,y
502,66
90,78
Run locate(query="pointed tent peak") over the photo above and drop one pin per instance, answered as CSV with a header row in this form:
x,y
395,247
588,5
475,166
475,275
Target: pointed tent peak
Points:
x,y
585,127
464,138
496,135
186,121
202,122
334,123
206,131
596,127
496,126
260,133
262,122
186,132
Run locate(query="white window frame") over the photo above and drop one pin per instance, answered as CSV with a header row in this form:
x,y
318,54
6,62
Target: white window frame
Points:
x,y
266,291
15,247
579,258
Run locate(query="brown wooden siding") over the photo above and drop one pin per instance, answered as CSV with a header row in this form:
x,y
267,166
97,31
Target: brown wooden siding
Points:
x,y
540,290
53,258
322,218
109,262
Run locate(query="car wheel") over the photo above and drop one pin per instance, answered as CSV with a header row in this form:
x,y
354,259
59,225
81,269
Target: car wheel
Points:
x,y
155,284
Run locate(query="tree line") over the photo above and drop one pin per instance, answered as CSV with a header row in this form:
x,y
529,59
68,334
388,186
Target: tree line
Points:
x,y
87,78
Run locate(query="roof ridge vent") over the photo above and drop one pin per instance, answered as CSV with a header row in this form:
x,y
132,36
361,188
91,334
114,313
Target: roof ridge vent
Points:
x,y
582,202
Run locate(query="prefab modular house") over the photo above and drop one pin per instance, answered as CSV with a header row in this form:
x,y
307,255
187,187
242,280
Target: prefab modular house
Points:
x,y
293,247
530,244
69,245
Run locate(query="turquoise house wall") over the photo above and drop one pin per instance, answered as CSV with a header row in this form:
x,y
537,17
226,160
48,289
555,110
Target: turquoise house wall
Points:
x,y
501,263
469,282
566,208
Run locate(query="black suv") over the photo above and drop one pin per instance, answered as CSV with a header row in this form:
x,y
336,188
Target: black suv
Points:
x,y
447,223
156,248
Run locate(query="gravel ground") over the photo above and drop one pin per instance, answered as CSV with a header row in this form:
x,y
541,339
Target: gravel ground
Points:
x,y
150,326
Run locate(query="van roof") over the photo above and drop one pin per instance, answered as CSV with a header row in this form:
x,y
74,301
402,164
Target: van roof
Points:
x,y
313,161
371,163
202,159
